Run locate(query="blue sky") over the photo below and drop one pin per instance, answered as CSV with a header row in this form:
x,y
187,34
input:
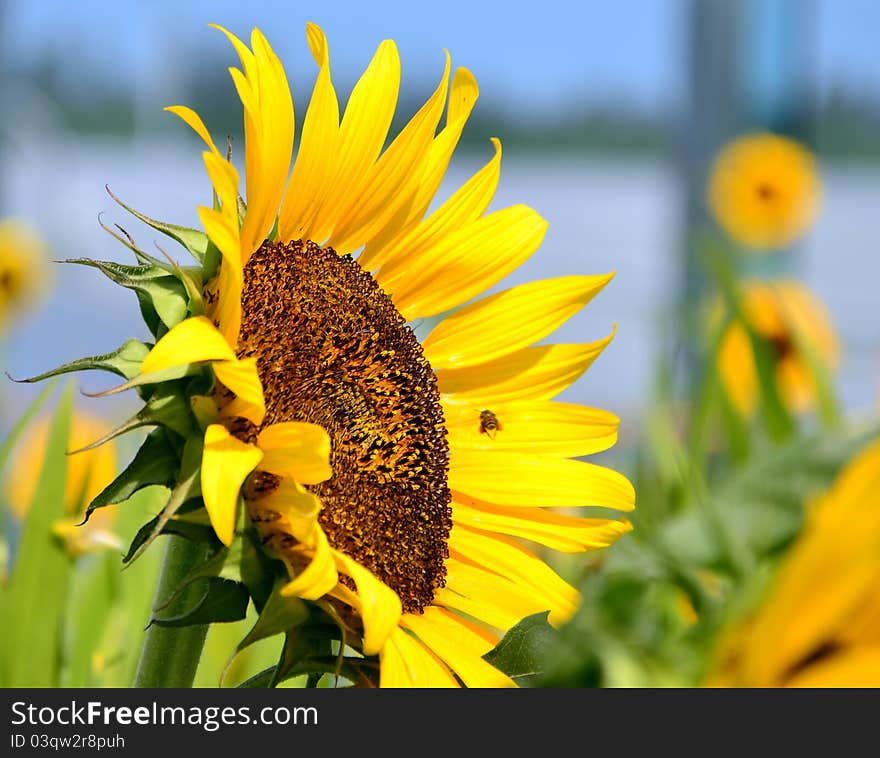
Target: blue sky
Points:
x,y
534,53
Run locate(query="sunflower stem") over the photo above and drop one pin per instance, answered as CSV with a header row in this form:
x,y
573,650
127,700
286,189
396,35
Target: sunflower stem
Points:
x,y
170,655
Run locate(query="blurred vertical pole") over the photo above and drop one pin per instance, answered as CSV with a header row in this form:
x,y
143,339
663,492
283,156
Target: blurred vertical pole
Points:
x,y
748,69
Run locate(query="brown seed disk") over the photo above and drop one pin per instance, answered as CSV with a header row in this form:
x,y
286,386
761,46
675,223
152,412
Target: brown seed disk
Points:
x,y
332,349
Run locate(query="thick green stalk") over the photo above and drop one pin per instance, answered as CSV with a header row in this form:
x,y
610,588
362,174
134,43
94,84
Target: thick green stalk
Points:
x,y
170,655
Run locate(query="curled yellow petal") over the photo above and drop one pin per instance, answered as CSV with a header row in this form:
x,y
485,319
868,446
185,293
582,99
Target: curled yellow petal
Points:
x,y
379,605
192,341
226,463
296,449
319,576
242,379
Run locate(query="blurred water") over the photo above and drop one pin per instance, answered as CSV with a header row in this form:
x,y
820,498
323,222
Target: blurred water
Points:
x,y
604,215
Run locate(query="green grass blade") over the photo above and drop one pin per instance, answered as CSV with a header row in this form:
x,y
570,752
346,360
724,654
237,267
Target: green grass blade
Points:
x,y
18,428
33,604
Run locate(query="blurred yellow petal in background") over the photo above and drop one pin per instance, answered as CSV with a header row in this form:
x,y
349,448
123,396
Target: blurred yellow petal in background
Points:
x,y
795,322
764,190
819,626
24,270
88,473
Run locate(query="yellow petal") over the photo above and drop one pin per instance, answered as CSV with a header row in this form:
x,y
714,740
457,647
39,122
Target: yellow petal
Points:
x,y
517,479
858,667
319,577
467,204
378,604
533,373
191,341
494,599
509,559
226,463
537,427
269,128
194,121
390,185
564,533
457,646
222,228
507,321
242,379
296,507
362,134
462,95
405,662
466,262
316,158
296,449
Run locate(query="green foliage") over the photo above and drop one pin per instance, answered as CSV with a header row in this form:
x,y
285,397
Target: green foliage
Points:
x,y
33,601
520,653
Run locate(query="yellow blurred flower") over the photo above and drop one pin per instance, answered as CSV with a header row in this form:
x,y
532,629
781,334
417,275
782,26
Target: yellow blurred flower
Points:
x,y
764,190
88,473
819,626
23,269
790,317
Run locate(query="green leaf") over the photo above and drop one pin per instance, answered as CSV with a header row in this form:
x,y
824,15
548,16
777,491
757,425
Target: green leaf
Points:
x,y
154,463
278,616
224,600
32,607
763,503
520,653
777,417
124,362
193,240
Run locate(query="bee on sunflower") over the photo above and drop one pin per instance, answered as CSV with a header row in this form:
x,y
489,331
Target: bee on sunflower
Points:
x,y
298,416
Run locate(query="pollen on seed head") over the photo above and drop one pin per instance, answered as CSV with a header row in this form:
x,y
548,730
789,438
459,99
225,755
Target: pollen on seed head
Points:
x,y
332,349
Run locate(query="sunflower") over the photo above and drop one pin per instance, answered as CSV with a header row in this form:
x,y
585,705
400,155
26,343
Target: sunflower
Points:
x,y
23,271
764,190
395,480
795,323
89,471
819,625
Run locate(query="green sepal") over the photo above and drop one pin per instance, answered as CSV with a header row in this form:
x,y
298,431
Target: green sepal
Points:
x,y
169,407
124,362
258,570
224,600
143,257
164,291
195,241
153,377
207,569
188,488
180,526
155,463
520,653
